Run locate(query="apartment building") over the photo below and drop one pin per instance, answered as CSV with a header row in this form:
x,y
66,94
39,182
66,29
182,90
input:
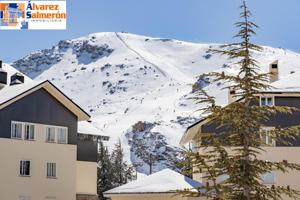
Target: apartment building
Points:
x,y
286,92
48,150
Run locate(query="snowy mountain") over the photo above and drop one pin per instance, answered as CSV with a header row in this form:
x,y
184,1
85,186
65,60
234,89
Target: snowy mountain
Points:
x,y
121,79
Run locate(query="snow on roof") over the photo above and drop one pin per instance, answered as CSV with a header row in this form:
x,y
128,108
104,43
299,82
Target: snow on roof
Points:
x,y
289,83
10,92
85,127
165,181
11,71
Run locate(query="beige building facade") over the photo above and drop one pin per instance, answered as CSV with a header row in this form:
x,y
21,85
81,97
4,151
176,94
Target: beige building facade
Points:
x,y
86,178
72,177
291,178
42,153
36,185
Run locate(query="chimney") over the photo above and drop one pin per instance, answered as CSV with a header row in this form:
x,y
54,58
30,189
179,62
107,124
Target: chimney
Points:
x,y
3,76
274,72
16,79
231,95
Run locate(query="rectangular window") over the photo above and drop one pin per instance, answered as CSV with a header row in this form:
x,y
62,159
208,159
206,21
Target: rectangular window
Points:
x,y
29,132
50,134
266,101
265,136
16,130
269,178
24,168
51,170
24,198
274,66
62,135
51,198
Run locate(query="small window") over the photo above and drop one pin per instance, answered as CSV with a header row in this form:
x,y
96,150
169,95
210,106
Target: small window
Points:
x,y
274,66
16,130
266,136
50,134
51,197
232,92
269,178
62,135
51,170
29,132
24,198
222,178
24,168
266,101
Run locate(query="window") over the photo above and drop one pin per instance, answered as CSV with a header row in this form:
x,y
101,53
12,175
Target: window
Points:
x,y
16,130
29,132
274,66
266,101
51,170
24,168
51,198
265,136
24,198
269,178
50,134
62,135
222,178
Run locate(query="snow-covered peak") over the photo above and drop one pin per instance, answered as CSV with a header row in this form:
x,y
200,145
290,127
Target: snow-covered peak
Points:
x,y
122,78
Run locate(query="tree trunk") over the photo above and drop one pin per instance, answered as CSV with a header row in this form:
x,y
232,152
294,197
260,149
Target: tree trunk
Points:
x,y
150,168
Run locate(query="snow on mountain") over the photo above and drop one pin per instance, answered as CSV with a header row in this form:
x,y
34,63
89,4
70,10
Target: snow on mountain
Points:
x,y
122,78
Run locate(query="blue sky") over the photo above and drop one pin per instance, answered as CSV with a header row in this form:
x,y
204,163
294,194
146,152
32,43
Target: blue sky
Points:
x,y
191,20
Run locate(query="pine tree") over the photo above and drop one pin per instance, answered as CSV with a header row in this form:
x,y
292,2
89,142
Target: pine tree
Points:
x,y
182,163
113,171
122,172
233,151
104,172
148,153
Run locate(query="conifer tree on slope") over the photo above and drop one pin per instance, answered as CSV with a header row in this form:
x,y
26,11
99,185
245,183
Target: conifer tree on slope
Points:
x,y
122,172
238,126
113,171
104,171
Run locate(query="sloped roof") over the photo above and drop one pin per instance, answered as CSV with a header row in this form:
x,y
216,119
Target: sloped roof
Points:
x,y
165,181
10,94
11,71
85,127
286,84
